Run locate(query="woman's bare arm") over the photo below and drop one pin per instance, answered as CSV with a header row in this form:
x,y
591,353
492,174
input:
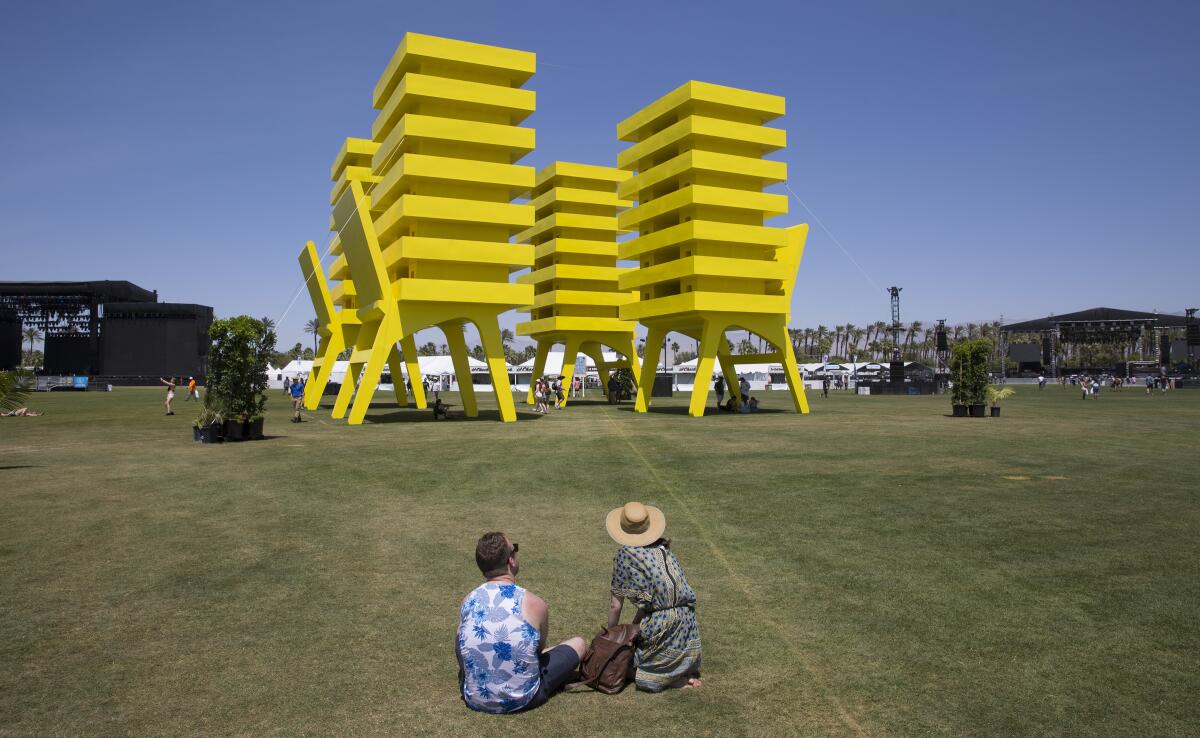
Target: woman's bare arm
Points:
x,y
614,610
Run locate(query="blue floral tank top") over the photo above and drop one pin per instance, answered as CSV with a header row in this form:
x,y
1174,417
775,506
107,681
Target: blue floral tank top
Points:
x,y
497,649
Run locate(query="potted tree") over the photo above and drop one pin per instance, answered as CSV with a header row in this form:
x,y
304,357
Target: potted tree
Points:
x,y
996,395
237,373
969,367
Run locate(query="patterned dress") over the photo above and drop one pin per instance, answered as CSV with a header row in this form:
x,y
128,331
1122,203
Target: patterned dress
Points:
x,y
497,650
669,648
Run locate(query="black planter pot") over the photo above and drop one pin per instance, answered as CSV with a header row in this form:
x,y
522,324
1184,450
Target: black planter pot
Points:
x,y
995,411
978,411
196,434
234,430
256,429
210,433
960,411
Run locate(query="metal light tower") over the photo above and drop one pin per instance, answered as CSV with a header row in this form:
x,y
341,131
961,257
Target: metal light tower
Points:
x,y
1192,336
895,293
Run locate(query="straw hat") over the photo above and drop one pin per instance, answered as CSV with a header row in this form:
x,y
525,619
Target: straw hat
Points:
x,y
635,524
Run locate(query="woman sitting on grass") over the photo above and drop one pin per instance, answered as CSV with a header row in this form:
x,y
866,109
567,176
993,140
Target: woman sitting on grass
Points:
x,y
645,571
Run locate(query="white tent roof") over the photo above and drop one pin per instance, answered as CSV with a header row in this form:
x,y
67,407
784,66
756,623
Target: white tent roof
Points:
x,y
554,362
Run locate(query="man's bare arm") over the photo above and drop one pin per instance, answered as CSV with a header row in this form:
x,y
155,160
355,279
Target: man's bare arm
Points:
x,y
538,615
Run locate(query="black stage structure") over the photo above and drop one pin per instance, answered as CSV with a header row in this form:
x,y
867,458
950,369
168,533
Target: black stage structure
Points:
x,y
113,329
1099,325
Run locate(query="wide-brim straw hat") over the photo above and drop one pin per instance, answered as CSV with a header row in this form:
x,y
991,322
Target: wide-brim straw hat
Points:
x,y
635,524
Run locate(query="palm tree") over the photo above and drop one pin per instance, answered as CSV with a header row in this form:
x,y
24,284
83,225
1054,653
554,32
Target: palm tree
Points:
x,y
913,329
675,352
314,327
32,334
506,337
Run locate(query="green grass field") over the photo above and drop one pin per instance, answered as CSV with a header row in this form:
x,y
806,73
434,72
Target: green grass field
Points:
x,y
874,568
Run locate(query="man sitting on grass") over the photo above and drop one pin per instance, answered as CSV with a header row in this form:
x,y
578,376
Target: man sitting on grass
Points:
x,y
502,630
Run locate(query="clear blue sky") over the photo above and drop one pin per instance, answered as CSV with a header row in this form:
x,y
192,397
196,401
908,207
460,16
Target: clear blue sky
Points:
x,y
1011,159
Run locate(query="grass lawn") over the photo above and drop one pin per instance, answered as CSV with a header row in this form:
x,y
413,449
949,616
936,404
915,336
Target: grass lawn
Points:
x,y
875,568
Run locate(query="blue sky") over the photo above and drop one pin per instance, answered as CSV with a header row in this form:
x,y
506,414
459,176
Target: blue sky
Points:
x,y
1001,159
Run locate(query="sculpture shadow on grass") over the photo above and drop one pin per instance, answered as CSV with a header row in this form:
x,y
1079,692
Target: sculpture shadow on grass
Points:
x,y
412,415
708,411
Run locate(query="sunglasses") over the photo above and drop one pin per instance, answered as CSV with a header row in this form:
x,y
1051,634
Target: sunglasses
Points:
x,y
515,547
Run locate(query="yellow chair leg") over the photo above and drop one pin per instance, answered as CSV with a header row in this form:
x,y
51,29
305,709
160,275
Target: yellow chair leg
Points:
x,y
408,345
462,370
709,342
489,335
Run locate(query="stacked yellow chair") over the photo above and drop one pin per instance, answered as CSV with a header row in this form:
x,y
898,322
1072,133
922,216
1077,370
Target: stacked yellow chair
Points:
x,y
430,245
576,301
707,262
333,303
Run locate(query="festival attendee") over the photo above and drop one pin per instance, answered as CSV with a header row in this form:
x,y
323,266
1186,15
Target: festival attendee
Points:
x,y
170,393
557,391
297,399
503,665
540,401
753,404
744,388
719,388
614,390
287,386
825,387
646,572
193,392
1041,382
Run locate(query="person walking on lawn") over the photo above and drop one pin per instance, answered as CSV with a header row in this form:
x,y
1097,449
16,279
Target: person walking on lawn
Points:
x,y
297,391
503,664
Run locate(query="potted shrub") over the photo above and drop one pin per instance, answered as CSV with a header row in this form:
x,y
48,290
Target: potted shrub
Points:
x,y
207,426
235,429
996,395
237,373
969,368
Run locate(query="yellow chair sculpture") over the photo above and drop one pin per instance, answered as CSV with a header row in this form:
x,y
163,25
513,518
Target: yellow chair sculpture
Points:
x,y
353,163
329,322
707,264
430,246
576,301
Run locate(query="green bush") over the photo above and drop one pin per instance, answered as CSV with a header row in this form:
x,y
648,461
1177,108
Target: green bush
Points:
x,y
969,371
14,389
237,366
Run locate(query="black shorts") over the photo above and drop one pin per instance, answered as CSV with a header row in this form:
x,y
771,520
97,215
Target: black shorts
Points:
x,y
560,666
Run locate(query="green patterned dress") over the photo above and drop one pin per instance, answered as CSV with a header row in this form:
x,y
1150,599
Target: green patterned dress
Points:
x,y
669,649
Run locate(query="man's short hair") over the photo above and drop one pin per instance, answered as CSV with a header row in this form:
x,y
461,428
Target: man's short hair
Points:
x,y
491,553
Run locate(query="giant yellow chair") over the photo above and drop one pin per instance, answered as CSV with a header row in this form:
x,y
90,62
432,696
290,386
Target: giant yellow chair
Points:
x,y
353,163
707,263
430,245
576,301
329,325
338,328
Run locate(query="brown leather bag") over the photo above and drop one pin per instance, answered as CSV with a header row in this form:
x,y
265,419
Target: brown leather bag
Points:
x,y
608,662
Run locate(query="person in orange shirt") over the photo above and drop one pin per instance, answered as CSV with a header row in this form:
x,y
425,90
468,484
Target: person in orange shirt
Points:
x,y
193,391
